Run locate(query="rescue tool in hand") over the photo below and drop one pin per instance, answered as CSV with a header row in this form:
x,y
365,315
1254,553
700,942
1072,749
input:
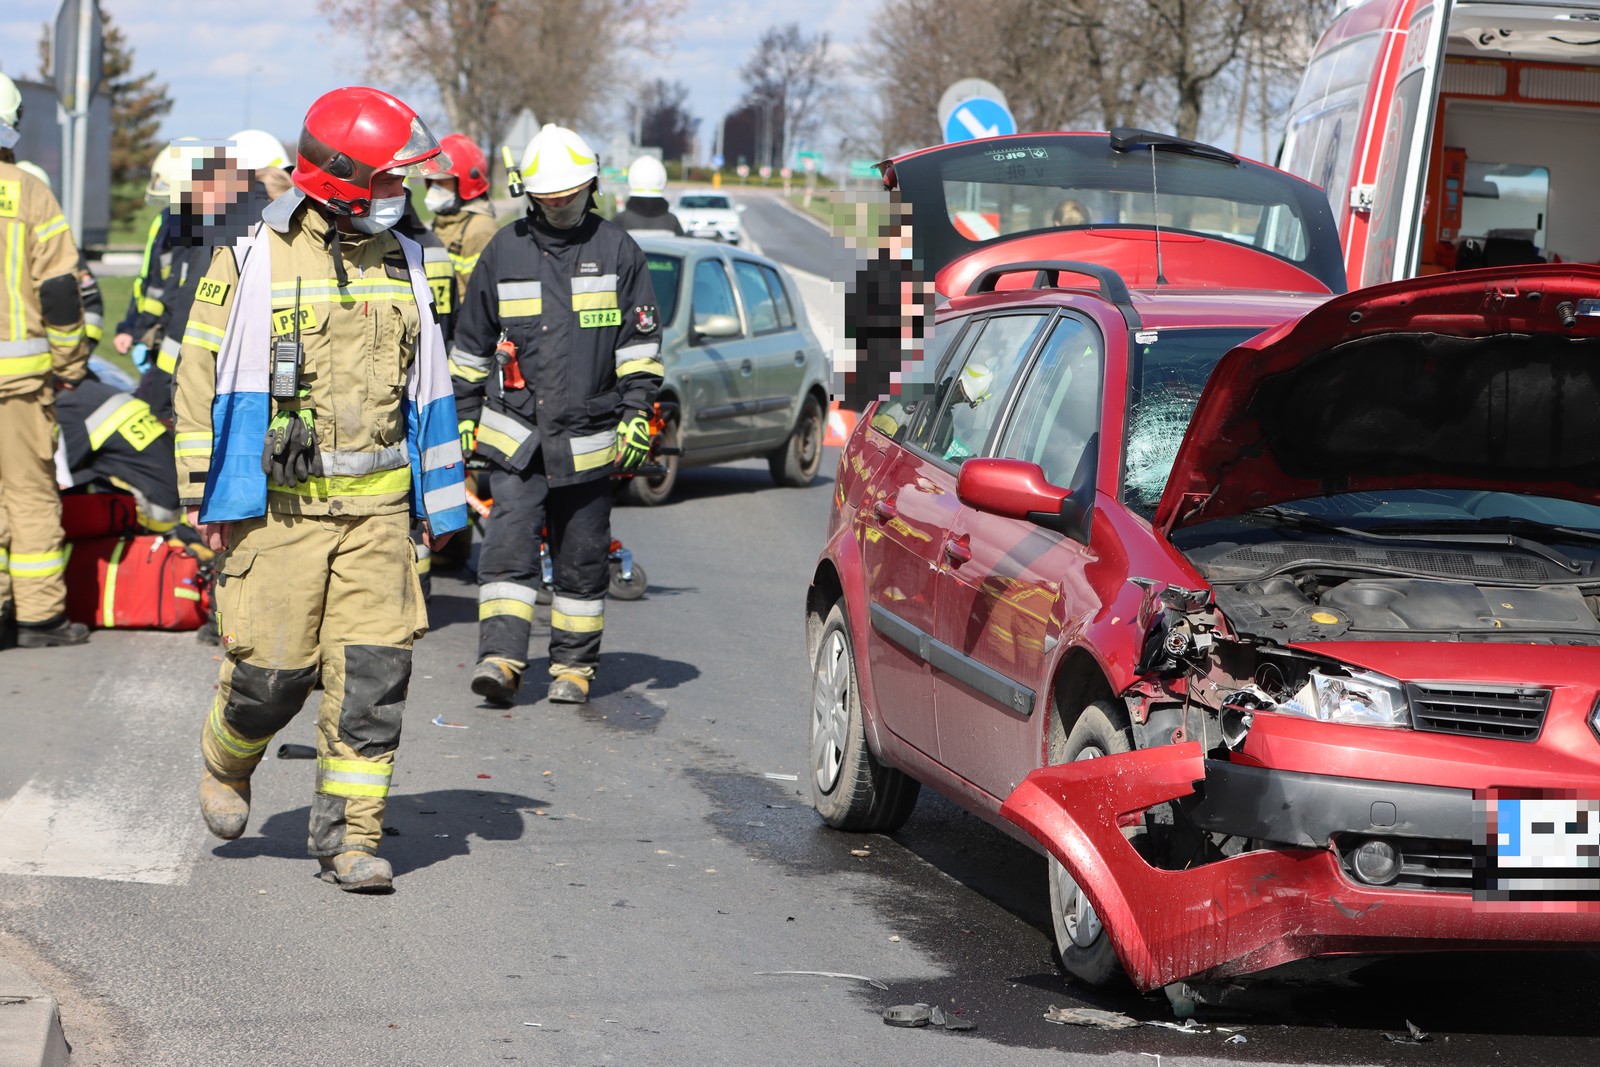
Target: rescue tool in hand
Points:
x,y
505,355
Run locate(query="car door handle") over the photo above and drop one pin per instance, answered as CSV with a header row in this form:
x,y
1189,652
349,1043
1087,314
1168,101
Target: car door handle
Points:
x,y
746,368
885,510
799,359
958,550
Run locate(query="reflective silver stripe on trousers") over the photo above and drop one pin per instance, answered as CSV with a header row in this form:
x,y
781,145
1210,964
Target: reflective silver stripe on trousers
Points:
x,y
359,463
595,442
500,422
604,283
462,358
441,456
28,346
380,781
453,495
505,591
517,290
642,350
569,606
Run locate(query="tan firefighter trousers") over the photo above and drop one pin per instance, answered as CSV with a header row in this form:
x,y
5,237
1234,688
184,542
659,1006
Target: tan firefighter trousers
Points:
x,y
32,556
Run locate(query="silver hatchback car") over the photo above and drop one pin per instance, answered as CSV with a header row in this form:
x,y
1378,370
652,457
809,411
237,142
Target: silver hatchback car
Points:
x,y
744,373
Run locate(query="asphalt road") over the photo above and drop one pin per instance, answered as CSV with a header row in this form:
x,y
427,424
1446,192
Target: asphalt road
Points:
x,y
605,886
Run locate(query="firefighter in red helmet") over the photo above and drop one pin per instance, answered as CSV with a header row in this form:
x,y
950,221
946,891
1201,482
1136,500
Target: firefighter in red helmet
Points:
x,y
315,418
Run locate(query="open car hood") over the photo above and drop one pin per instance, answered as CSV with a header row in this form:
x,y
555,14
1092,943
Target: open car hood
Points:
x,y
1485,379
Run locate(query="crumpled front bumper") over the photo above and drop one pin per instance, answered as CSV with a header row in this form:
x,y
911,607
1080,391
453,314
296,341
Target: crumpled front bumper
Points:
x,y
1255,910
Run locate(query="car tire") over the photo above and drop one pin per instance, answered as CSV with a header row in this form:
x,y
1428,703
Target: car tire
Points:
x,y
654,490
850,789
797,462
1085,947
627,588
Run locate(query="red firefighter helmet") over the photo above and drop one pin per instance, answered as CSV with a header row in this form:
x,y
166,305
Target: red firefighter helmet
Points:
x,y
467,165
354,133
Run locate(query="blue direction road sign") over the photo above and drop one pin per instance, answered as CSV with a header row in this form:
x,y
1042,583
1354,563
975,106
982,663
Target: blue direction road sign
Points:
x,y
717,161
978,117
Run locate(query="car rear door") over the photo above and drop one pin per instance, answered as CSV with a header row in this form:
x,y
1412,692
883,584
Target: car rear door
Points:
x,y
1005,585
906,514
719,372
777,347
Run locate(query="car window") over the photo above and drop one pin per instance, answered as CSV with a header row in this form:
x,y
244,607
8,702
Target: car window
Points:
x,y
665,274
970,399
780,298
705,200
757,297
896,415
1167,370
713,295
1058,408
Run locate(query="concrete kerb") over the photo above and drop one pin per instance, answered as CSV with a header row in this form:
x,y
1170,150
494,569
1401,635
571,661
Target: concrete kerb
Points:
x,y
30,1023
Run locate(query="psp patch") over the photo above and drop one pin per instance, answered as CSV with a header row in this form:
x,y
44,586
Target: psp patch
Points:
x,y
644,318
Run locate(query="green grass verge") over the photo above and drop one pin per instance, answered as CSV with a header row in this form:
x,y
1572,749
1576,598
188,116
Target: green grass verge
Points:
x,y
115,291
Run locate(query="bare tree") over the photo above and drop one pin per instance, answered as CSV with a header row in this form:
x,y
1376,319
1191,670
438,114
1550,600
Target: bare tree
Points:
x,y
488,59
665,122
790,76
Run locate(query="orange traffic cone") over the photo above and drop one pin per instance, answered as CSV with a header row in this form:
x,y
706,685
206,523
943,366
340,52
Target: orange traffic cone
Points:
x,y
841,424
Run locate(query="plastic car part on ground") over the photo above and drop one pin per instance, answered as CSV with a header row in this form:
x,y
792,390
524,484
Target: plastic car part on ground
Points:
x,y
1252,911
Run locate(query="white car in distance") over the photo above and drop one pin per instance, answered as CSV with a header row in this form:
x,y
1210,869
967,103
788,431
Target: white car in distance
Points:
x,y
710,215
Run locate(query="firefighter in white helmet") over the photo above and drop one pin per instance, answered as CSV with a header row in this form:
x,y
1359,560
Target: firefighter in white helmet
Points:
x,y
571,292
647,200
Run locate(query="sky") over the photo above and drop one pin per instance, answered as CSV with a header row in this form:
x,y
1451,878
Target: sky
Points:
x,y
238,63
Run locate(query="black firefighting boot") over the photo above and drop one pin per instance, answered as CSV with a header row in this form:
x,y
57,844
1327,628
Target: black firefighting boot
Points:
x,y
496,680
225,804
51,633
8,626
357,872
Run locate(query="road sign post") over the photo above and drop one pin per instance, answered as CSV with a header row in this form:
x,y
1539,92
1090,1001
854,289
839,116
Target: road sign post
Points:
x,y
77,58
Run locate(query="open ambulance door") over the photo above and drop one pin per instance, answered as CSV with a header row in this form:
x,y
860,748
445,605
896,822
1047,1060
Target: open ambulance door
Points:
x,y
1361,127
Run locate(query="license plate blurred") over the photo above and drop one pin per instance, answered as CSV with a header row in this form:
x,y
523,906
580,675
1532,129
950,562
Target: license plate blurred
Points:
x,y
1538,846
704,231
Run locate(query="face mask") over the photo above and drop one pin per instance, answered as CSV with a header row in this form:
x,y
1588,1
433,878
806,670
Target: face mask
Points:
x,y
569,214
8,136
441,201
385,213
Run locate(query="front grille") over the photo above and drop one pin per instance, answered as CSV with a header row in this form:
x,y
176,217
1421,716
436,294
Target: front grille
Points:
x,y
1425,863
1509,713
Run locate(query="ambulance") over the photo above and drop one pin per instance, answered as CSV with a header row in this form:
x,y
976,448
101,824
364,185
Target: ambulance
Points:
x,y
1452,134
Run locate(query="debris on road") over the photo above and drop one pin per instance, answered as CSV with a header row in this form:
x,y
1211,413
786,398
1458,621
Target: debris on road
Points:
x,y
297,752
1105,1020
894,937
908,1015
860,852
775,776
873,982
1414,1035
1188,1026
1236,1039
438,720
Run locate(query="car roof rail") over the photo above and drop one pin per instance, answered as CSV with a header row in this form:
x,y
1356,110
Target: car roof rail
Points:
x,y
1050,271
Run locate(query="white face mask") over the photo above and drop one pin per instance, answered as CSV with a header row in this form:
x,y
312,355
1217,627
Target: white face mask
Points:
x,y
385,213
441,200
8,136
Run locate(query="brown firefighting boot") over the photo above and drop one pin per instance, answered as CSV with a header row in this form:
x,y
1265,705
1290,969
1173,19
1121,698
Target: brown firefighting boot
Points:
x,y
569,689
496,681
357,872
225,804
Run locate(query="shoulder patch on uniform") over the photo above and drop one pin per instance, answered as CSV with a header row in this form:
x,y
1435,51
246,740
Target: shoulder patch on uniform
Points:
x,y
211,291
644,318
587,268
10,199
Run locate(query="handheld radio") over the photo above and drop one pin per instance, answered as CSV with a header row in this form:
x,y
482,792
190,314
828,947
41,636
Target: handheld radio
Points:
x,y
287,354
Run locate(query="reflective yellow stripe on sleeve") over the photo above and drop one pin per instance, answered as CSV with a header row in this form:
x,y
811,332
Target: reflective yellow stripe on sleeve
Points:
x,y
192,444
50,228
203,336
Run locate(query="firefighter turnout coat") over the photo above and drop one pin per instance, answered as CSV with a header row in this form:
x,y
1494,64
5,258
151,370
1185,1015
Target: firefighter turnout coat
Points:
x,y
579,306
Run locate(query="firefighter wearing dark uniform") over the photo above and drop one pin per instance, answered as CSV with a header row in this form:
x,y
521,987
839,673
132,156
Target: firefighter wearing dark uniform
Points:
x,y
314,419
572,293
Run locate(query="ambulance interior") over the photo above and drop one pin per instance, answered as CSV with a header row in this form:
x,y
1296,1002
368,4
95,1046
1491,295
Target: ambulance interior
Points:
x,y
1513,163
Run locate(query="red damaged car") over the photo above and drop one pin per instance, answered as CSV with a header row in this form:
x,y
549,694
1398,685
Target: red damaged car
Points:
x,y
1270,612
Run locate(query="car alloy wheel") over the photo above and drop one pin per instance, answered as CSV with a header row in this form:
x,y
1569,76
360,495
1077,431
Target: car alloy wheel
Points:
x,y
830,711
1077,914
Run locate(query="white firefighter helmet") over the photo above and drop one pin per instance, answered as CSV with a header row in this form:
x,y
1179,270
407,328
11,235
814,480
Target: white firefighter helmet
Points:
x,y
173,171
255,149
10,111
37,171
976,381
557,162
647,177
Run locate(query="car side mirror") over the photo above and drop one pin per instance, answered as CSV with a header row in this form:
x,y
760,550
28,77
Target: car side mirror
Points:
x,y
739,208
717,326
1018,489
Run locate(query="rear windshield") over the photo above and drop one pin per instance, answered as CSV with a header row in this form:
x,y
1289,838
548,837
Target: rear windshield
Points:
x,y
966,195
1166,372
665,271
694,200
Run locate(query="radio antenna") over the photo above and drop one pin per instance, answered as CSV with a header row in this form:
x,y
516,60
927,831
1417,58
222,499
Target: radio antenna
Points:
x,y
1155,202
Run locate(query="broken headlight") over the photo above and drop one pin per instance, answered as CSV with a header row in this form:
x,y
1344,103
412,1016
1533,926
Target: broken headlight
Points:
x,y
1361,699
